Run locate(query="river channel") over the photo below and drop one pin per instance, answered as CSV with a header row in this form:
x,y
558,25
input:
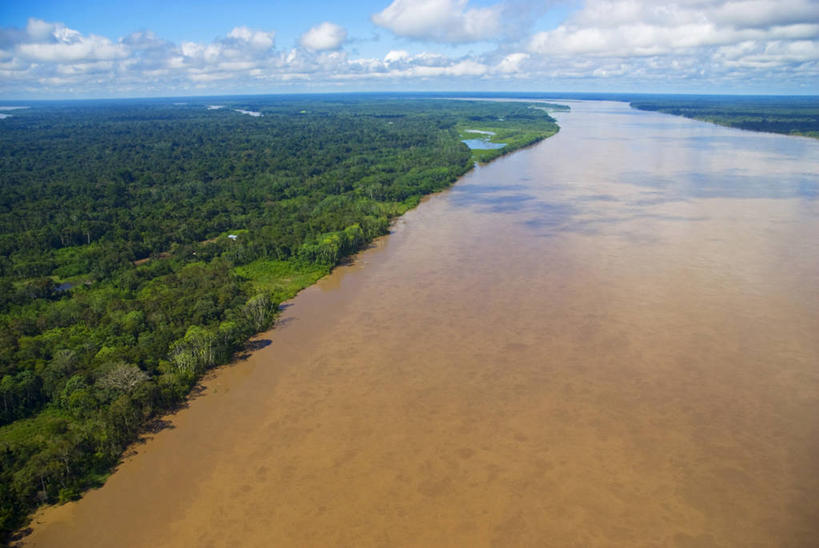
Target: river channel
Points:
x,y
608,339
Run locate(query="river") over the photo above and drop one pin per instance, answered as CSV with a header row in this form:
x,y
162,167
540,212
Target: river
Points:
x,y
610,338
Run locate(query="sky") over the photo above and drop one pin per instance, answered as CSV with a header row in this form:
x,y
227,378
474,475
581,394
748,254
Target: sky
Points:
x,y
146,48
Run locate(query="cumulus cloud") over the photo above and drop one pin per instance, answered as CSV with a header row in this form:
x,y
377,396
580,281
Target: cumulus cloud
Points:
x,y
684,39
241,44
440,20
763,13
46,54
54,42
645,28
512,63
394,56
323,37
258,40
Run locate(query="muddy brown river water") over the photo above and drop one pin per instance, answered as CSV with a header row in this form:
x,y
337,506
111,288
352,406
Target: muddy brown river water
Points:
x,y
608,339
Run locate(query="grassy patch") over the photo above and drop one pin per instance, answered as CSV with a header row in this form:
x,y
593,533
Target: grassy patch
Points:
x,y
283,279
30,430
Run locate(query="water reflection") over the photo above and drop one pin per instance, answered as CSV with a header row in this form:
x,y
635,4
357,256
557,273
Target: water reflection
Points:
x,y
482,144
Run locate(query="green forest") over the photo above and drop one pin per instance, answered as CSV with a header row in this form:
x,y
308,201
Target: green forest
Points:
x,y
789,115
143,242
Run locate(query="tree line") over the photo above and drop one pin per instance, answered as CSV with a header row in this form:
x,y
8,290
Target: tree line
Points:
x,y
796,115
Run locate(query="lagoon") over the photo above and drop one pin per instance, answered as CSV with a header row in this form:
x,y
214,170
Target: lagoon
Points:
x,y
482,144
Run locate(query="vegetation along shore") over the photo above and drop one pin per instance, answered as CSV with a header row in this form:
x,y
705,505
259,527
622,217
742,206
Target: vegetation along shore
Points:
x,y
791,115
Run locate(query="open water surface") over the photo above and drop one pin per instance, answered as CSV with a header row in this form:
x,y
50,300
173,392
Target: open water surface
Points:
x,y
608,339
482,144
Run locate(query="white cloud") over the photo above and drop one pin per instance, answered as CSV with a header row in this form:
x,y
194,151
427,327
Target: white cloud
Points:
x,y
395,56
243,49
467,68
440,20
39,30
512,63
81,69
256,39
712,41
764,13
323,37
54,42
644,27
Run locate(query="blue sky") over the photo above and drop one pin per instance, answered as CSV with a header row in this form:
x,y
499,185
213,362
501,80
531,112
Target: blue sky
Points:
x,y
95,48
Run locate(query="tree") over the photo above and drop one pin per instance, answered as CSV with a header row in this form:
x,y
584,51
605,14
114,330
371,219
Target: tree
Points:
x,y
123,378
259,311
